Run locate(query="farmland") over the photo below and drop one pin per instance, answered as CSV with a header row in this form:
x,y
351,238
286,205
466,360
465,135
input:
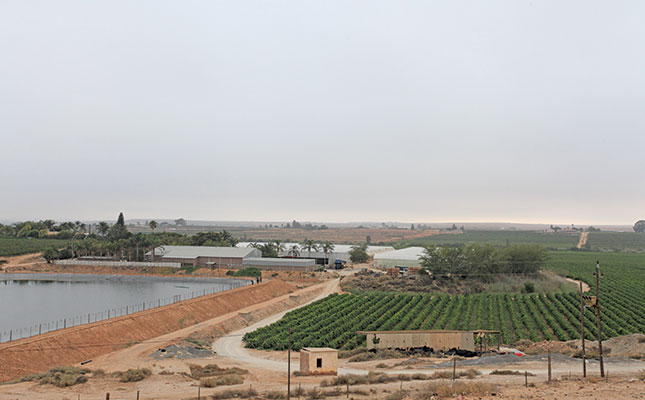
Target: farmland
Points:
x,y
554,316
617,241
497,237
18,246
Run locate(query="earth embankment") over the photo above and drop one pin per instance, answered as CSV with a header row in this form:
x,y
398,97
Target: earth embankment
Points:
x,y
77,344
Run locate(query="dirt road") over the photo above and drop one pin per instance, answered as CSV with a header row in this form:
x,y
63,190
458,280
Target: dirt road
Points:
x,y
231,345
134,356
583,239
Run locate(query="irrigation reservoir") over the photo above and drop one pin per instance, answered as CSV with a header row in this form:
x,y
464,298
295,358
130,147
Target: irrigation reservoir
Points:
x,y
37,303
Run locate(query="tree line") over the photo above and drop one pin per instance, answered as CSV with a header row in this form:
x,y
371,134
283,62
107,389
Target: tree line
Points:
x,y
109,240
482,262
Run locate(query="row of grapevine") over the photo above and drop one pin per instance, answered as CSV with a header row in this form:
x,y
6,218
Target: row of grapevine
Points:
x,y
334,321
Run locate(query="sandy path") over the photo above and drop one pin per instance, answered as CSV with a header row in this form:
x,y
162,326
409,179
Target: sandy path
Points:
x,y
24,260
585,287
135,355
231,346
583,239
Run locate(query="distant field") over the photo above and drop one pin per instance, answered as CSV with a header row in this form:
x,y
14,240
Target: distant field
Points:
x,y
334,320
16,247
498,237
617,241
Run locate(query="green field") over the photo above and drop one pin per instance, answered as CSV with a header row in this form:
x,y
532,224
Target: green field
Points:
x,y
499,238
617,241
332,321
17,246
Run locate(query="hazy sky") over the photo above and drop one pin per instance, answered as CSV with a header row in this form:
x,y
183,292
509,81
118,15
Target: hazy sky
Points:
x,y
528,111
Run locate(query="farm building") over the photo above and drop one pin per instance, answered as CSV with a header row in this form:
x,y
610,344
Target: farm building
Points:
x,y
437,340
341,252
408,257
226,257
318,361
280,264
204,256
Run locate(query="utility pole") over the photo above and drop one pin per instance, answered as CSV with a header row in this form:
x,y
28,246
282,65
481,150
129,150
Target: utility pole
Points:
x,y
582,333
602,363
289,368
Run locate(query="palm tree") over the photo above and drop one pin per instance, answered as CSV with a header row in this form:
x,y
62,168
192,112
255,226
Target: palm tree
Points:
x,y
153,225
294,251
103,228
310,246
327,248
279,246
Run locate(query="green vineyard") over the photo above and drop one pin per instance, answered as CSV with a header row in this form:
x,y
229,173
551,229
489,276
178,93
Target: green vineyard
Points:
x,y
334,320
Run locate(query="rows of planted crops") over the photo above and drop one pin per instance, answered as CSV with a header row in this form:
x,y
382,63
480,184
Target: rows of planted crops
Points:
x,y
334,320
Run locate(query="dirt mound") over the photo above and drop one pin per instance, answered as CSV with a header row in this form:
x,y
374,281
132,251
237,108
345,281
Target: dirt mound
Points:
x,y
627,346
621,346
77,344
528,347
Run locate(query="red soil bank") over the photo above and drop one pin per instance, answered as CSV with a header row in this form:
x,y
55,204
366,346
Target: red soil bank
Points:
x,y
80,343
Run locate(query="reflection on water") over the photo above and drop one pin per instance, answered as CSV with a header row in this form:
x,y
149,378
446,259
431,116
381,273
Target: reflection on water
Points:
x,y
33,299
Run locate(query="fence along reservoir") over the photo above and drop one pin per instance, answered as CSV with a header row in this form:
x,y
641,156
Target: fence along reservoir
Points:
x,y
37,303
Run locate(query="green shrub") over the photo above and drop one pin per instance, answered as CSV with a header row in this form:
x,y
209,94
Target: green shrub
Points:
x,y
248,271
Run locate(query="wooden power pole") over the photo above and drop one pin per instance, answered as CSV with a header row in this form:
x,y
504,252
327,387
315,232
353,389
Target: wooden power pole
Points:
x,y
582,333
602,364
289,368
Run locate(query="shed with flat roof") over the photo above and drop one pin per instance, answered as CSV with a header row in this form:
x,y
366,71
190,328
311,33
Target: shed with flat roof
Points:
x,y
318,361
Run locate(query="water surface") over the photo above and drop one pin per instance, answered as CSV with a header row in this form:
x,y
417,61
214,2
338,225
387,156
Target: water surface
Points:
x,y
30,303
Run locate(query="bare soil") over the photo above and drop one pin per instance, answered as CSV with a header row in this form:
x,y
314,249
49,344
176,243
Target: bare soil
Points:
x,y
338,235
584,236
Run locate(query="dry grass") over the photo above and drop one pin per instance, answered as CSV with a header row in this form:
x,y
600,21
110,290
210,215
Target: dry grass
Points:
x,y
133,375
450,390
198,372
274,395
641,375
249,393
223,380
384,354
60,376
508,372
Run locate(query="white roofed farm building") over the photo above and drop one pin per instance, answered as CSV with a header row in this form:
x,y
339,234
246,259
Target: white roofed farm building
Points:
x,y
408,257
340,252
226,257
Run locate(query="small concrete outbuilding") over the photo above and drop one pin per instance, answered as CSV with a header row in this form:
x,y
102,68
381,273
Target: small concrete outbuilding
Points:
x,y
318,361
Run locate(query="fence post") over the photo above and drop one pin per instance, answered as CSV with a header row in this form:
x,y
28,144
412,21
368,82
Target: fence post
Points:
x,y
549,361
526,379
199,393
10,335
454,368
137,395
40,329
107,396
65,323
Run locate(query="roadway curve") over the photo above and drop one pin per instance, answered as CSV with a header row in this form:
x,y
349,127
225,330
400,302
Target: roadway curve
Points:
x,y
231,345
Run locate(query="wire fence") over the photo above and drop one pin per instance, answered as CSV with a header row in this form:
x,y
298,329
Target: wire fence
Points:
x,y
121,264
84,319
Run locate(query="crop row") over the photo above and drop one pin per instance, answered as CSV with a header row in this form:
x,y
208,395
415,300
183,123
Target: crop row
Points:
x,y
334,320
